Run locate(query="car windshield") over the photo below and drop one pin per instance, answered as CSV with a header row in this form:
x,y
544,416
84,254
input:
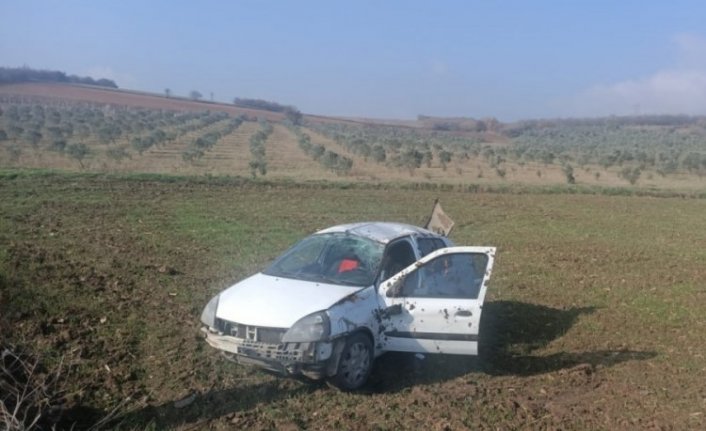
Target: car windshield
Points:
x,y
336,258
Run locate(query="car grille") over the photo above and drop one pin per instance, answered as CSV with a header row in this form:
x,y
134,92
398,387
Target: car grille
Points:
x,y
251,333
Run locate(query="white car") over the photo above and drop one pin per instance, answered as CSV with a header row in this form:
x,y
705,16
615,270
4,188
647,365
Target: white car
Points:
x,y
341,297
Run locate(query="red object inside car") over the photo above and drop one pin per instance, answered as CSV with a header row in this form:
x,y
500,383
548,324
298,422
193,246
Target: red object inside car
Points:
x,y
348,265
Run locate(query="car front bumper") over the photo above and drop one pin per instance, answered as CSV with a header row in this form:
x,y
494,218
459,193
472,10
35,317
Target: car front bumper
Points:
x,y
308,359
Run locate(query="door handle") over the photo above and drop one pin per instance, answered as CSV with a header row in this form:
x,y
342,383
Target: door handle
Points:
x,y
463,313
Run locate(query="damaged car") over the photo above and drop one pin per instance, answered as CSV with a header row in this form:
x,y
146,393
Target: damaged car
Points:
x,y
338,299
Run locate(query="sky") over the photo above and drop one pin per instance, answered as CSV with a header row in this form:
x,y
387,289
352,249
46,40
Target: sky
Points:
x,y
511,60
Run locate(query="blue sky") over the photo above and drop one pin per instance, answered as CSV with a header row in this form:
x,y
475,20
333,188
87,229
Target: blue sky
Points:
x,y
387,59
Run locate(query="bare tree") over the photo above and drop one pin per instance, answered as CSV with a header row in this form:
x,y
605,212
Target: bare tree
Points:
x,y
78,152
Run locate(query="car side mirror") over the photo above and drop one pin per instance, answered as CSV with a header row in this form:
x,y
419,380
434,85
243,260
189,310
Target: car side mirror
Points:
x,y
393,310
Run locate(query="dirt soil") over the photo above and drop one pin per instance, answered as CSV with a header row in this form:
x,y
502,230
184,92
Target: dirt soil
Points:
x,y
109,277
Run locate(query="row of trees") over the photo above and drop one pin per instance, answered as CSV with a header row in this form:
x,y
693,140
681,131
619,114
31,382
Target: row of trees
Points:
x,y
258,162
35,123
402,148
71,130
460,124
667,144
663,145
331,160
603,123
292,114
201,144
174,129
25,74
261,104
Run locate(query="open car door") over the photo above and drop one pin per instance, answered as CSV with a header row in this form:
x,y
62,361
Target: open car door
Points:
x,y
434,305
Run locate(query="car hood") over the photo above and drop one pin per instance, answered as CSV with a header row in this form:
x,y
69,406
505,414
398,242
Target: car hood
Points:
x,y
276,302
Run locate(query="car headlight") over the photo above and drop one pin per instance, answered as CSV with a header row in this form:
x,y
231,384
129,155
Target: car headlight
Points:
x,y
314,327
208,316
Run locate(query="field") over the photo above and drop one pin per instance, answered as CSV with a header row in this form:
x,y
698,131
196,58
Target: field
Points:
x,y
79,128
595,316
63,94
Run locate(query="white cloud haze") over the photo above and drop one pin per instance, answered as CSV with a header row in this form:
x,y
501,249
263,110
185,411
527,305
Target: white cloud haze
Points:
x,y
678,89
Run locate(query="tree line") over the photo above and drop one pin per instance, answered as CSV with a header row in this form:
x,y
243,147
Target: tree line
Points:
x,y
402,147
331,160
67,130
258,161
199,145
10,75
291,112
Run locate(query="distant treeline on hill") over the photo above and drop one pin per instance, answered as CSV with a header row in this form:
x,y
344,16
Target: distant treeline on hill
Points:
x,y
623,120
10,75
261,104
602,124
455,124
515,129
290,112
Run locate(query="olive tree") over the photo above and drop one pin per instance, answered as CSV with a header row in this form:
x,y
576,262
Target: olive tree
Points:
x,y
78,152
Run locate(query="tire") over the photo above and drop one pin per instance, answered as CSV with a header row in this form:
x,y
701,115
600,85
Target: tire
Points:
x,y
355,363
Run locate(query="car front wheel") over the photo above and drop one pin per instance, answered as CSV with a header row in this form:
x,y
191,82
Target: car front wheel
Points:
x,y
355,363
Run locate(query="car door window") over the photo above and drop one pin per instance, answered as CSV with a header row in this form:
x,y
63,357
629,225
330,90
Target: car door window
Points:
x,y
399,255
428,245
448,276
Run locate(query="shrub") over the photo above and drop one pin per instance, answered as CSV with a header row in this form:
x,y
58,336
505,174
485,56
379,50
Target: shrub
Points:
x,y
192,154
117,153
569,174
630,174
29,395
59,145
14,151
78,152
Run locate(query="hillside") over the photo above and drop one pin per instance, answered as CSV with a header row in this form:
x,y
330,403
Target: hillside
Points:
x,y
75,127
57,93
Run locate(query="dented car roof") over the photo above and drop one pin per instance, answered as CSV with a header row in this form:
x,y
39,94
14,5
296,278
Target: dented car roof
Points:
x,y
383,232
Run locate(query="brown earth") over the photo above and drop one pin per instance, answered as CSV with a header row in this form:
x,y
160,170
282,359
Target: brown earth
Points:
x,y
109,276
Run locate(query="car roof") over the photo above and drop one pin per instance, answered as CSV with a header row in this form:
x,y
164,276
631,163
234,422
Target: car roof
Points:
x,y
383,232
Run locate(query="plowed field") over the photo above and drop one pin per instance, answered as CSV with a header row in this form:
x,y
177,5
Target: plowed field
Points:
x,y
595,317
